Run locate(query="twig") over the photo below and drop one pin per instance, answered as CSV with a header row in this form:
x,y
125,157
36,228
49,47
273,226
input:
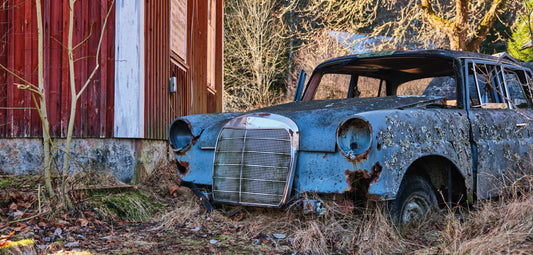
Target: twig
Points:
x,y
18,108
16,76
39,197
84,40
29,218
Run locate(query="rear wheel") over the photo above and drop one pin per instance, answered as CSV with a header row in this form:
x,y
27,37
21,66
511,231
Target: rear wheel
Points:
x,y
414,201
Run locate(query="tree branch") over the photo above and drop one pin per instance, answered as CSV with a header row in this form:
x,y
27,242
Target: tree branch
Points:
x,y
435,20
485,24
97,52
18,77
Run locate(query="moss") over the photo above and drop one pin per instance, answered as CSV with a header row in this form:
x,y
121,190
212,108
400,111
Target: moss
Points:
x,y
130,205
6,183
19,181
18,247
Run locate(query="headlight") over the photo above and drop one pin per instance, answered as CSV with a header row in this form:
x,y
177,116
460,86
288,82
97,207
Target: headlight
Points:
x,y
354,138
180,135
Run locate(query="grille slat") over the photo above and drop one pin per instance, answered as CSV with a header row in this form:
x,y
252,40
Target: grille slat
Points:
x,y
252,166
250,179
260,152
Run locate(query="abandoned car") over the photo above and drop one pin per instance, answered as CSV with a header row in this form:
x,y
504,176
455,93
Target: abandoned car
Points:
x,y
418,129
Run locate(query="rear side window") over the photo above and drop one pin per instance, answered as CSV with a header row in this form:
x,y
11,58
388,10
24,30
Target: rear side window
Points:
x,y
519,91
485,85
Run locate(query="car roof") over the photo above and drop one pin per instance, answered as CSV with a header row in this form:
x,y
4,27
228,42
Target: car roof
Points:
x,y
442,54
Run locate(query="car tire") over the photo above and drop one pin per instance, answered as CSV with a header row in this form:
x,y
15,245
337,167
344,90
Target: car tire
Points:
x,y
414,201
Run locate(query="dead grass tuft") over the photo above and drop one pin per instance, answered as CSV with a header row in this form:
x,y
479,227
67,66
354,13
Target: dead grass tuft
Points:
x,y
187,214
92,178
496,227
311,239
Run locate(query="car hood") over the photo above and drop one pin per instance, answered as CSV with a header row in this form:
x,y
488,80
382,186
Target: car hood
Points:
x,y
318,120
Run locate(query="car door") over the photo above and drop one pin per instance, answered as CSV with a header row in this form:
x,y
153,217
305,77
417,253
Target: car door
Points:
x,y
518,83
499,129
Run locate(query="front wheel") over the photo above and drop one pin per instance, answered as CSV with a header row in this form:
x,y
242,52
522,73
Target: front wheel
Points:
x,y
414,201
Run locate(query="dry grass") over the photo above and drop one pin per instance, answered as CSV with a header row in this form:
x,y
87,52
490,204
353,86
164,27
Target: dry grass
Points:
x,y
502,226
187,214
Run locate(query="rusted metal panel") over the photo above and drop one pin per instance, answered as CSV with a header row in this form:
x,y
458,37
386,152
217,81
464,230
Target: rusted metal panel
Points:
x,y
198,62
178,40
179,99
192,95
19,54
157,68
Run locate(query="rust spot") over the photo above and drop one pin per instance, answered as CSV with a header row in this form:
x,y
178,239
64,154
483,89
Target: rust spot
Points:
x,y
264,114
376,171
183,167
361,157
378,146
325,155
308,206
359,182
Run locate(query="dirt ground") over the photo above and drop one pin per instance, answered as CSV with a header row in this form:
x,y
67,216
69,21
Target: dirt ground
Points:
x,y
89,229
159,217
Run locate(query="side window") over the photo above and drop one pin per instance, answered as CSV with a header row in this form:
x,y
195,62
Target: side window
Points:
x,y
517,89
485,86
370,87
443,86
333,86
336,86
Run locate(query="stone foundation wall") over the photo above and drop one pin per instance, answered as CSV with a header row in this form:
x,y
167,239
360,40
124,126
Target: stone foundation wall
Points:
x,y
129,159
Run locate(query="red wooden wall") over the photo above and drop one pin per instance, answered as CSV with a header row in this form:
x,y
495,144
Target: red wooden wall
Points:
x,y
18,52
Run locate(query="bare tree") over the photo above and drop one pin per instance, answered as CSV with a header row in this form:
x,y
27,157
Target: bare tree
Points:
x,y
75,94
458,25
255,52
457,29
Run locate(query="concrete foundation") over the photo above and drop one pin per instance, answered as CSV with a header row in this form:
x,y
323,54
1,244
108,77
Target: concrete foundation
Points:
x,y
130,160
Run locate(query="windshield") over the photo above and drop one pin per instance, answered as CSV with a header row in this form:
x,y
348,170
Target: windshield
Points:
x,y
380,77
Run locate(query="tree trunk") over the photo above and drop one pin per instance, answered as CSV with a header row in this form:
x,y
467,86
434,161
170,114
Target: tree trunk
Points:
x,y
457,30
42,103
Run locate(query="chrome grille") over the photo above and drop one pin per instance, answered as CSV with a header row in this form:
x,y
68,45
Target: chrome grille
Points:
x,y
253,166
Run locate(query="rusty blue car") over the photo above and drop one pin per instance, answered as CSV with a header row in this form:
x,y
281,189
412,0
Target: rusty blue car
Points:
x,y
413,129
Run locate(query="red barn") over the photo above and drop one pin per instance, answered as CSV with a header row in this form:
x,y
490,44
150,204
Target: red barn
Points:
x,y
159,60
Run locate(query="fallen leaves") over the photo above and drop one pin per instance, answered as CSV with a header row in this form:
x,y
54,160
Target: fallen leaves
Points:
x,y
82,222
173,190
85,228
3,239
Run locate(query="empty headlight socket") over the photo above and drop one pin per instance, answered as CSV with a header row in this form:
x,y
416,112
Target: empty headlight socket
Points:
x,y
354,138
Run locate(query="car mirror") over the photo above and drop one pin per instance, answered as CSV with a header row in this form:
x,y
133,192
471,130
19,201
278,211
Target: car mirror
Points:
x,y
300,86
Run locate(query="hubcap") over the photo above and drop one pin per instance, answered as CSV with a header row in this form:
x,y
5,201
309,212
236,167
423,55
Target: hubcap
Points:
x,y
415,209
